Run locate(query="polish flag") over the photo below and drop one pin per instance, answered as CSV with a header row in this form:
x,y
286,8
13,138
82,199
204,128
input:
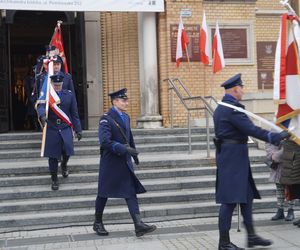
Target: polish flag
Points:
x,y
217,52
286,75
204,42
57,41
182,42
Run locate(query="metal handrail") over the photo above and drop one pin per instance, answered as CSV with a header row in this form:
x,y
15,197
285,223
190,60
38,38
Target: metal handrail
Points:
x,y
207,107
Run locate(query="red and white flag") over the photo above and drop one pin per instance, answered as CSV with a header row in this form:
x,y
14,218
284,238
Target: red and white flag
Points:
x,y
53,101
217,51
57,41
286,74
182,42
204,50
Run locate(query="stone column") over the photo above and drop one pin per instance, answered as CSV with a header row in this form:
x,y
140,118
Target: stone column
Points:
x,y
150,117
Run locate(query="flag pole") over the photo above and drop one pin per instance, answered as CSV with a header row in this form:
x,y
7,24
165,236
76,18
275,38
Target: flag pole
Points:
x,y
287,5
50,72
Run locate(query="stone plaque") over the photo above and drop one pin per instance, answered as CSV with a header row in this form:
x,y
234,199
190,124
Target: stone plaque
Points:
x,y
234,41
265,64
193,32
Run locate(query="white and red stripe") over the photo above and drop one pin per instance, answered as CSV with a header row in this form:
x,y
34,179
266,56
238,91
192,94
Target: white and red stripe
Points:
x,y
204,49
217,51
286,73
182,41
54,100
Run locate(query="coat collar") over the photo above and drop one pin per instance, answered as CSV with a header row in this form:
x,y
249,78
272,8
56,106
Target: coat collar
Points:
x,y
231,100
114,114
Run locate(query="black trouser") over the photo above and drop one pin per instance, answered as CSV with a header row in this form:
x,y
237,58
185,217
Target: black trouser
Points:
x,y
226,210
132,204
53,163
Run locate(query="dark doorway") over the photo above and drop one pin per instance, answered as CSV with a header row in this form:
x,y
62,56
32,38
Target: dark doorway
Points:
x,y
28,32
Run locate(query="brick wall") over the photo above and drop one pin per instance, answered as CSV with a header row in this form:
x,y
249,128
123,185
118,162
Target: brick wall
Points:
x,y
120,58
120,63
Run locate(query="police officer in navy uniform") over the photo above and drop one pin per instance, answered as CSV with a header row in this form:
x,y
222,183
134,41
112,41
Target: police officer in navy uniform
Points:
x,y
116,175
59,135
58,68
234,183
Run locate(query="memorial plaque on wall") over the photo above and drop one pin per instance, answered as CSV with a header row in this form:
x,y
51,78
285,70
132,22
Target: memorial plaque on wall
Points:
x,y
193,32
265,64
234,41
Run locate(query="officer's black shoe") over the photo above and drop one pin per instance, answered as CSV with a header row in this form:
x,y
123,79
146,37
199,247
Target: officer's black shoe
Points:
x,y
225,244
54,185
230,246
64,168
296,222
279,215
290,215
99,228
255,240
140,227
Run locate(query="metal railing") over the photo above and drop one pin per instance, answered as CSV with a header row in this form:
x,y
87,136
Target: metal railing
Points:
x,y
208,104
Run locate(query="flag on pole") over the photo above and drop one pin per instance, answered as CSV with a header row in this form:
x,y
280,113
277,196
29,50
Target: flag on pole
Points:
x,y
204,42
217,51
286,90
182,42
57,41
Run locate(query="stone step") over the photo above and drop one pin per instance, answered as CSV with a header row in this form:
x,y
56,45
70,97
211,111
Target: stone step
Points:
x,y
94,150
94,141
151,184
33,190
178,168
94,133
86,215
88,200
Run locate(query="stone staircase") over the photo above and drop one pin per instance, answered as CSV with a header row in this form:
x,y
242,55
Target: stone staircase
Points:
x,y
180,185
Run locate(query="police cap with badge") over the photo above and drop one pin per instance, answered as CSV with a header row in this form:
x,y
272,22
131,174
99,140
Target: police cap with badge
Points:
x,y
57,79
122,93
233,81
57,59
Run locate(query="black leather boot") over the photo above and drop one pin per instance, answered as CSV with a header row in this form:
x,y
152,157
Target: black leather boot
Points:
x,y
98,226
225,244
255,240
279,215
296,223
290,215
54,185
64,167
140,227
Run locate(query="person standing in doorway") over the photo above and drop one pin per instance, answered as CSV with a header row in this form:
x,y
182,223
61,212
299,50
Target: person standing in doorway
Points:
x,y
234,182
116,175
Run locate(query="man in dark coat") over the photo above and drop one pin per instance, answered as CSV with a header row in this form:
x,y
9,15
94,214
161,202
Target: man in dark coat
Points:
x,y
59,135
58,68
116,175
234,183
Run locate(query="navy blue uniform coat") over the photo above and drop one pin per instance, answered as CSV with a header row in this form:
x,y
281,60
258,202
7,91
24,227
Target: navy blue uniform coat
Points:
x,y
233,166
116,174
60,136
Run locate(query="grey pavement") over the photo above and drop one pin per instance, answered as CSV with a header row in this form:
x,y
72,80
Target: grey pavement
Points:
x,y
197,233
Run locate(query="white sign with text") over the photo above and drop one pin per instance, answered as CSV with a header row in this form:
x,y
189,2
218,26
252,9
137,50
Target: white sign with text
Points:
x,y
84,5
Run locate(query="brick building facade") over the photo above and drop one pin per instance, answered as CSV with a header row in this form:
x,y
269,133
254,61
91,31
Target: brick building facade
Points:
x,y
119,50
